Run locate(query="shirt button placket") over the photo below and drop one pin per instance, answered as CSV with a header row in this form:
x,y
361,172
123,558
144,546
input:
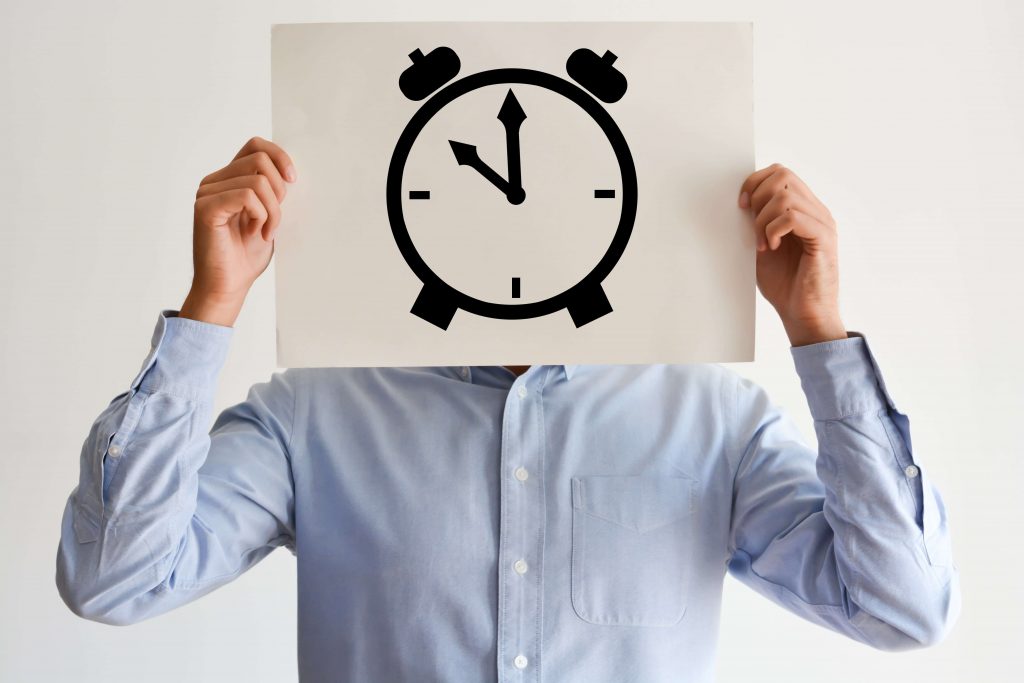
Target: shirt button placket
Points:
x,y
522,533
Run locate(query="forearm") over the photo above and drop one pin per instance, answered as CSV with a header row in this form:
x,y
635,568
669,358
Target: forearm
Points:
x,y
138,477
891,539
847,537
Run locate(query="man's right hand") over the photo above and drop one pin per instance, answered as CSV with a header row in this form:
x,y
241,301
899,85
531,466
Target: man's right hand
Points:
x,y
237,212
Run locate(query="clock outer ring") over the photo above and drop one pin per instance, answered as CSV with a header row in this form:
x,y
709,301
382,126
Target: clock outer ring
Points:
x,y
441,289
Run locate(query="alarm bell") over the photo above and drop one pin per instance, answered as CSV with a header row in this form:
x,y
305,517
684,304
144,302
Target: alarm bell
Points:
x,y
428,72
597,74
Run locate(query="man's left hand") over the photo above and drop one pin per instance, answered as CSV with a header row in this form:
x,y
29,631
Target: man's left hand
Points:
x,y
797,259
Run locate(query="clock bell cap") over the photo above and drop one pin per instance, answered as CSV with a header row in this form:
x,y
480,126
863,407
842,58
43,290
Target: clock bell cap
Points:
x,y
597,74
428,72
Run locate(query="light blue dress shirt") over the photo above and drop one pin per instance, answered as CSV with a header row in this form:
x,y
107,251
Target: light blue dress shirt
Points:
x,y
462,524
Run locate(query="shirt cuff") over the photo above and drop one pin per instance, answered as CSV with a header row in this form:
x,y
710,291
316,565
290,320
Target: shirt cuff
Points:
x,y
185,357
840,378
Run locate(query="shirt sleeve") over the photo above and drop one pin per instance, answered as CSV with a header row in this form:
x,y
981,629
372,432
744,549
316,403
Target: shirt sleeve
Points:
x,y
855,537
167,509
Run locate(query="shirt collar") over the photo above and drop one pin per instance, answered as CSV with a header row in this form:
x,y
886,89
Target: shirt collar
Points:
x,y
464,372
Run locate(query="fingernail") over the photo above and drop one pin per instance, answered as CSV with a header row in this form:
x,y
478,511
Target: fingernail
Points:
x,y
289,174
744,200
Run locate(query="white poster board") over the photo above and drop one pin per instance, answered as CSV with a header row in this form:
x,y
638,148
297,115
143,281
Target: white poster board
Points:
x,y
514,193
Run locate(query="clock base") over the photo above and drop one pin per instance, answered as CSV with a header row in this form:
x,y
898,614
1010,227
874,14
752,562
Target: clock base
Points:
x,y
436,304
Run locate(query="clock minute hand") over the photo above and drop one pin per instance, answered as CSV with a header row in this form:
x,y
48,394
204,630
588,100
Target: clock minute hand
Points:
x,y
512,116
467,155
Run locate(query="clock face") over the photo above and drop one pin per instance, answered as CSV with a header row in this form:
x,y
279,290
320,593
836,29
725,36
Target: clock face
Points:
x,y
511,193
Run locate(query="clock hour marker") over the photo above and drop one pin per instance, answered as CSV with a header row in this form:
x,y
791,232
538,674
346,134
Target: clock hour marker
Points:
x,y
604,194
419,194
515,288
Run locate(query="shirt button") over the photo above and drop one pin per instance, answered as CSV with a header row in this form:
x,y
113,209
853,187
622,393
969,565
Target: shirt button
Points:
x,y
522,391
911,471
521,474
464,371
520,566
520,661
114,450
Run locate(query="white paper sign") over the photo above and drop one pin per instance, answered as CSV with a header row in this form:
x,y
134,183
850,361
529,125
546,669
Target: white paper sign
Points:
x,y
514,193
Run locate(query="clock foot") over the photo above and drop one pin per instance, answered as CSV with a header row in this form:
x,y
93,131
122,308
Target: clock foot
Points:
x,y
435,306
588,305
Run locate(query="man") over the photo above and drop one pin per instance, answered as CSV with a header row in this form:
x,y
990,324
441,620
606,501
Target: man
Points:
x,y
558,523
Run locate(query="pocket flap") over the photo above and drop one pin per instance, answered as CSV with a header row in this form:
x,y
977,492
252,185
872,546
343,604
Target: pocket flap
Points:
x,y
641,503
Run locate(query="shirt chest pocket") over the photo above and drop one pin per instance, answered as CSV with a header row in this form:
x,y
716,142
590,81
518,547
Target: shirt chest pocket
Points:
x,y
631,539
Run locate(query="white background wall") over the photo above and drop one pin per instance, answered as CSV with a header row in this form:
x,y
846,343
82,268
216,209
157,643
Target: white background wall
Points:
x,y
905,117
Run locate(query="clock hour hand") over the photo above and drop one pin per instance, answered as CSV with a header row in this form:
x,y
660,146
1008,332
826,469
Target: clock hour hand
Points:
x,y
512,116
467,155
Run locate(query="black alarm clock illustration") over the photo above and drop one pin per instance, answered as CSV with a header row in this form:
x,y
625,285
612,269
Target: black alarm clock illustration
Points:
x,y
545,179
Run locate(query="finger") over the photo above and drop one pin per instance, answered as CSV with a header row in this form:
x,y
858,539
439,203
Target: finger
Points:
x,y
804,226
219,208
256,163
281,160
257,183
779,204
784,180
751,183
